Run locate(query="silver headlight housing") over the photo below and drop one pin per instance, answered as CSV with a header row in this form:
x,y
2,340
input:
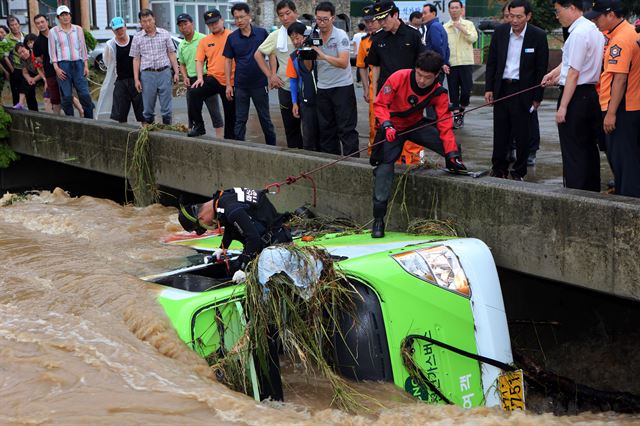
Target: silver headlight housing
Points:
x,y
437,265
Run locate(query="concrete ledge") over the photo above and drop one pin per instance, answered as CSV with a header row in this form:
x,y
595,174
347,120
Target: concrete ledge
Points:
x,y
579,238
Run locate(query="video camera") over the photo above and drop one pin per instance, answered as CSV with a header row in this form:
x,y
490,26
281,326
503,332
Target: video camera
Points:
x,y
312,39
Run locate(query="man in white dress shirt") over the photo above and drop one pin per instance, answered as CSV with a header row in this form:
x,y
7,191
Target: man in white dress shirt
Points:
x,y
578,116
518,59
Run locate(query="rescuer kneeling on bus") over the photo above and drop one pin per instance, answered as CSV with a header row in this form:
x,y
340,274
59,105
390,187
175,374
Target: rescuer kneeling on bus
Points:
x,y
247,216
399,108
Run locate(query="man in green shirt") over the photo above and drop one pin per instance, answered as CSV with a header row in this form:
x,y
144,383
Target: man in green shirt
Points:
x,y
278,47
12,61
187,59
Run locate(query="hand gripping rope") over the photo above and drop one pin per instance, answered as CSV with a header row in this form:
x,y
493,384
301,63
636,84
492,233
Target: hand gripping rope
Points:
x,y
275,186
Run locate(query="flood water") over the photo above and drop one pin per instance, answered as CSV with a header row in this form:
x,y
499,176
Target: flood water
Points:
x,y
82,340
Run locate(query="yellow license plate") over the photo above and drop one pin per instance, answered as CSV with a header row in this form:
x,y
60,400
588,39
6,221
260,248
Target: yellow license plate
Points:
x,y
512,390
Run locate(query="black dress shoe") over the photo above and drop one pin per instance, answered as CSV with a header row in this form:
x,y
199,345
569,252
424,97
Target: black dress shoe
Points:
x,y
377,230
196,130
531,160
498,174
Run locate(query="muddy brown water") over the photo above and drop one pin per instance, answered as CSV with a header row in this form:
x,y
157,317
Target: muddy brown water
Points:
x,y
83,341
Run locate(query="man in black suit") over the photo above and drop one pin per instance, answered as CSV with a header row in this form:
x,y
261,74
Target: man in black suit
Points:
x,y
518,59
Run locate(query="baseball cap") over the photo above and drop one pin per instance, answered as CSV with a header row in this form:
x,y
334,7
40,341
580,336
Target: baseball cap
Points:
x,y
212,16
382,9
184,17
602,6
367,12
62,9
117,22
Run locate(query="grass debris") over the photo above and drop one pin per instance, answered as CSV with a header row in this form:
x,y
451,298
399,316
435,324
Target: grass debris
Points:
x,y
443,228
305,327
138,170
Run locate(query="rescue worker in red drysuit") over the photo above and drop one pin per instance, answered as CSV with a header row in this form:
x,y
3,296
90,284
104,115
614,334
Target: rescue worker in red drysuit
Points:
x,y
399,107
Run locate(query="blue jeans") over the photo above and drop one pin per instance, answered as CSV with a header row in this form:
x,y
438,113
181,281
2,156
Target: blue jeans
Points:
x,y
156,84
75,78
260,97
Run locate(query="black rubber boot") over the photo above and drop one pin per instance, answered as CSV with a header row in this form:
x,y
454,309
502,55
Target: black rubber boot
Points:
x,y
377,230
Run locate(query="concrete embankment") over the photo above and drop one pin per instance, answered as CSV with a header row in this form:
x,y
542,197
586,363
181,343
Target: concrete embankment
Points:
x,y
579,238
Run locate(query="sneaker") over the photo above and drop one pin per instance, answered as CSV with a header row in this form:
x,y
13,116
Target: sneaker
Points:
x,y
18,106
531,159
516,177
196,130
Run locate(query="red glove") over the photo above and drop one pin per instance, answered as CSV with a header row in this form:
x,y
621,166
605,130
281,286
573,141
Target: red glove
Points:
x,y
391,134
389,131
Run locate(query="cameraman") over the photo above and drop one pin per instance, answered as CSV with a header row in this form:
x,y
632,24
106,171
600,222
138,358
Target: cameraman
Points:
x,y
336,101
302,71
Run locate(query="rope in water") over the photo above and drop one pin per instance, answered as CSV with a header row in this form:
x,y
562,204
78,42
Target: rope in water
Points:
x,y
275,186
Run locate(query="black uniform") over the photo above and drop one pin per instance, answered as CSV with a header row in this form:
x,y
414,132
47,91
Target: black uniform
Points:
x,y
124,88
249,217
393,52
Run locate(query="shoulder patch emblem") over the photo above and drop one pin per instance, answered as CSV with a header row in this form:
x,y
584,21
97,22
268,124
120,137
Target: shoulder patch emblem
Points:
x,y
386,89
615,51
344,42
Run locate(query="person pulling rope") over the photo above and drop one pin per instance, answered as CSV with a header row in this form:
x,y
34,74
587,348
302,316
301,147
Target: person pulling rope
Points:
x,y
399,108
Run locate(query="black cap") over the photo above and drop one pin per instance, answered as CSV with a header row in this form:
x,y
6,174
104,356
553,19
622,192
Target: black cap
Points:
x,y
212,16
184,17
367,12
602,6
382,9
188,218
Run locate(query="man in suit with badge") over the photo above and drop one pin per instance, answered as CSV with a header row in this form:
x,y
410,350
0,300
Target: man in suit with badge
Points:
x,y
518,59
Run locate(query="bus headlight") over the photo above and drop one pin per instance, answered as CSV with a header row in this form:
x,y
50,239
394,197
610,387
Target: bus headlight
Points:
x,y
436,265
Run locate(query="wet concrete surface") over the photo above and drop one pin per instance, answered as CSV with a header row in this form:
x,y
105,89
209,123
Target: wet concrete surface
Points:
x,y
476,137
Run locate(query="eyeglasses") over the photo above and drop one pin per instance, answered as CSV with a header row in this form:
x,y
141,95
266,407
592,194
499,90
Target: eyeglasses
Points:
x,y
323,19
557,11
240,18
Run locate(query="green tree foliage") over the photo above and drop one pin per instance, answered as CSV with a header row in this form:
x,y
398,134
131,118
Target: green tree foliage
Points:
x,y
544,16
90,40
5,48
7,155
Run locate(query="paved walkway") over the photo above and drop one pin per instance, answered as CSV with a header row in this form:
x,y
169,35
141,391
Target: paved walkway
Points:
x,y
476,137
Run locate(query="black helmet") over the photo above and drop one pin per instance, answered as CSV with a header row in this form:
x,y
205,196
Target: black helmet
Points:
x,y
188,218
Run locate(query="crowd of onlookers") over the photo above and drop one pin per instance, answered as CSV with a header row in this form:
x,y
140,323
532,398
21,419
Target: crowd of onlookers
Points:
x,y
311,70
56,56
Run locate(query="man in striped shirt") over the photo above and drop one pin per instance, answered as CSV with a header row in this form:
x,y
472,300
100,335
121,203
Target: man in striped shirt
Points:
x,y
154,55
68,53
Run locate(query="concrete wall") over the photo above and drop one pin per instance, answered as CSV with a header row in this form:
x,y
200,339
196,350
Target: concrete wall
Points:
x,y
579,238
